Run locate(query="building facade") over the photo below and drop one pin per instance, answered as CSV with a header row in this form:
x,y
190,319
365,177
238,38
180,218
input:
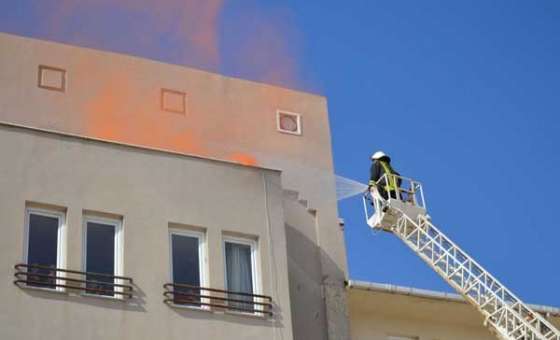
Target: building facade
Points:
x,y
144,200
389,312
84,206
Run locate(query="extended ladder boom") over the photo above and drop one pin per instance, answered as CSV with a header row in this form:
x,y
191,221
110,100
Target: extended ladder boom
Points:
x,y
404,214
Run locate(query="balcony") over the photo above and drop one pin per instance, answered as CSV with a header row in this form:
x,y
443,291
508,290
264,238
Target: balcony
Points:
x,y
217,299
94,284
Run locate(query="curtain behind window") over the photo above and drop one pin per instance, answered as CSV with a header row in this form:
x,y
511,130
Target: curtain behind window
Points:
x,y
239,272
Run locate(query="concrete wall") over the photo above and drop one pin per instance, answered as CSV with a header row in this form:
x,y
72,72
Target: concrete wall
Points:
x,y
117,97
304,270
376,315
149,190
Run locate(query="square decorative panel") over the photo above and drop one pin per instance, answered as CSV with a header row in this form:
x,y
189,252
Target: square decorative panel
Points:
x,y
173,101
52,78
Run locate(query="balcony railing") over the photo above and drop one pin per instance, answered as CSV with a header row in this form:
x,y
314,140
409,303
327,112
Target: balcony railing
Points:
x,y
40,276
217,299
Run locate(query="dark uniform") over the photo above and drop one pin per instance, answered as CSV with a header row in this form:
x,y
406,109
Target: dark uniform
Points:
x,y
380,167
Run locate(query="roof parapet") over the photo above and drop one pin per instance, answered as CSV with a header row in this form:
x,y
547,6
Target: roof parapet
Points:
x,y
430,294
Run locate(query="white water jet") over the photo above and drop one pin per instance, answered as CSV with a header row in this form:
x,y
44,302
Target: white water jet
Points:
x,y
346,187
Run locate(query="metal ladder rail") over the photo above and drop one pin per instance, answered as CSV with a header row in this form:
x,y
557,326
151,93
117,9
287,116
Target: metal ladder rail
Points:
x,y
504,312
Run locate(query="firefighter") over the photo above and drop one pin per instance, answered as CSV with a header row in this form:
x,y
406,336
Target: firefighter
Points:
x,y
389,185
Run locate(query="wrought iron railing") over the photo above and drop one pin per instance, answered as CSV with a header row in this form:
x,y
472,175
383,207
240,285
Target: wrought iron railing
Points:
x,y
217,299
41,276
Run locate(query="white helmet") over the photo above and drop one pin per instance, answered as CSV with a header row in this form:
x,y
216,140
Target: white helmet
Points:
x,y
378,155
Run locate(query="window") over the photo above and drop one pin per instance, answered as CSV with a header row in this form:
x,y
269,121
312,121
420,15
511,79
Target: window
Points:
x,y
187,266
241,273
103,254
44,250
288,122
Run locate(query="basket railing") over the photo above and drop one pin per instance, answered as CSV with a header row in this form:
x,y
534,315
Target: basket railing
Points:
x,y
217,299
50,277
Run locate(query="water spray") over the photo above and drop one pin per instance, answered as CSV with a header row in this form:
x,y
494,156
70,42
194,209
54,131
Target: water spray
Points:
x,y
346,187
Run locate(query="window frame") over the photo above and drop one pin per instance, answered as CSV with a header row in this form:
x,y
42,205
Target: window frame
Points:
x,y
60,240
202,260
118,248
279,113
255,263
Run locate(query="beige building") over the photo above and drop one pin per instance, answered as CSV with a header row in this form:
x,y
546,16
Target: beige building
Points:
x,y
153,174
389,312
142,200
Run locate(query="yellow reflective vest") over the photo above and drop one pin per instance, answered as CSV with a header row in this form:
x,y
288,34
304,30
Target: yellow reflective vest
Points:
x,y
391,183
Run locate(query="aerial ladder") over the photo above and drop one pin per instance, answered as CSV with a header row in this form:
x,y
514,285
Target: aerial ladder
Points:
x,y
404,214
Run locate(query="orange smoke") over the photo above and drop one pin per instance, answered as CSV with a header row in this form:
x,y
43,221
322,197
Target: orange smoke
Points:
x,y
266,41
267,46
243,159
119,109
191,26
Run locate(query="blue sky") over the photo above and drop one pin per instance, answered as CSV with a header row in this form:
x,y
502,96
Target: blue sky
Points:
x,y
464,95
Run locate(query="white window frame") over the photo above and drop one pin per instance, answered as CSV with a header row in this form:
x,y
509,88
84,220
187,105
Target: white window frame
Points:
x,y
118,246
288,113
61,240
202,260
255,263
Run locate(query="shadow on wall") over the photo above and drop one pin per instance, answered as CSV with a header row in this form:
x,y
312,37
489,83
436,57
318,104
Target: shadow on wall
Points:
x,y
307,293
232,317
135,304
